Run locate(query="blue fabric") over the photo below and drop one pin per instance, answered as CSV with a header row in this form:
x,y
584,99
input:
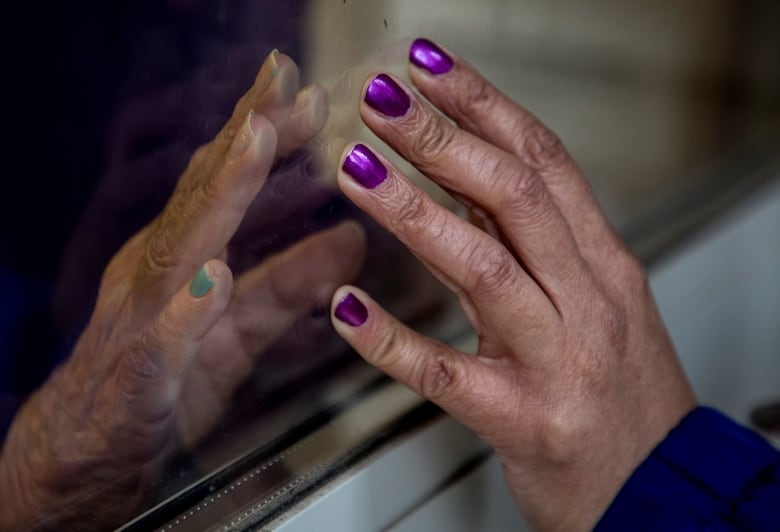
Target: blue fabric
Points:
x,y
708,474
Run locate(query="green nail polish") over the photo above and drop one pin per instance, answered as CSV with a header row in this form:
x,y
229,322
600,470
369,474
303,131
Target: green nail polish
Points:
x,y
201,284
275,66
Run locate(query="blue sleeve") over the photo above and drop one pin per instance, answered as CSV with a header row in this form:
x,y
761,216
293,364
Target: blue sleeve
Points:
x,y
708,474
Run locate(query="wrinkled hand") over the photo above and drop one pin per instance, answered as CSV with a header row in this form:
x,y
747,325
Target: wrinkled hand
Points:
x,y
172,335
153,135
575,380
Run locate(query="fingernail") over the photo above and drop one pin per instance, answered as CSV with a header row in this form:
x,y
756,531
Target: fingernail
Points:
x,y
387,97
201,284
351,311
364,167
273,64
243,139
430,57
269,69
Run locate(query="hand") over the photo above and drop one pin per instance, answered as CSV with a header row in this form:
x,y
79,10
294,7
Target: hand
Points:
x,y
575,380
153,136
171,336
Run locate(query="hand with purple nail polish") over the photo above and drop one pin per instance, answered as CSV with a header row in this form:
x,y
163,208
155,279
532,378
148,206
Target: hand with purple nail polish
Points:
x,y
172,335
575,380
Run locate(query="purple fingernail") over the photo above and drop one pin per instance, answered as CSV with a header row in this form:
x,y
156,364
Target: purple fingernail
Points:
x,y
351,311
364,167
387,97
430,57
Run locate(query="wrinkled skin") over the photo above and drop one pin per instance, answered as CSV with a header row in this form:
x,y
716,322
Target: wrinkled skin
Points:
x,y
158,363
575,380
153,135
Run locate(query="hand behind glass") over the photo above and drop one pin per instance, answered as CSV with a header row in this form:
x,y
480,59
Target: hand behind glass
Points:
x,y
171,336
153,135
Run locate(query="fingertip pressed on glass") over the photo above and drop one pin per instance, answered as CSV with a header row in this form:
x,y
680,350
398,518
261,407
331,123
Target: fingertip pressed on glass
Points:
x,y
364,167
428,56
351,310
387,97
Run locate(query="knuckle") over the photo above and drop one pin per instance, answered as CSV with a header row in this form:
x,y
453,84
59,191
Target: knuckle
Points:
x,y
491,271
388,351
613,322
627,275
634,273
496,169
145,352
158,255
526,192
438,376
542,147
145,392
434,137
525,199
163,247
139,364
412,212
477,97
560,435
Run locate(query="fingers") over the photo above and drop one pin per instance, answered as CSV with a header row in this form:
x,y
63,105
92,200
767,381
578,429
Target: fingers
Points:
x,y
278,100
307,119
302,278
199,104
151,373
224,177
479,108
272,95
455,381
477,266
513,194
266,302
206,208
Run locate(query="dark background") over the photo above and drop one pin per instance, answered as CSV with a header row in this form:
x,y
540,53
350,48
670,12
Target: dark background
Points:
x,y
79,89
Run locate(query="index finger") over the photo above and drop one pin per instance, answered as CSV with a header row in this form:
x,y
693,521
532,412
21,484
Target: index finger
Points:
x,y
220,182
205,210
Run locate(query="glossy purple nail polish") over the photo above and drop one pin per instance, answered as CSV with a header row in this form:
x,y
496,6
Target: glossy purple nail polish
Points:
x,y
364,167
387,97
351,311
430,57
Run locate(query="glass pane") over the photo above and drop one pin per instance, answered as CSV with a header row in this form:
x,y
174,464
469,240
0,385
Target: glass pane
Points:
x,y
670,109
